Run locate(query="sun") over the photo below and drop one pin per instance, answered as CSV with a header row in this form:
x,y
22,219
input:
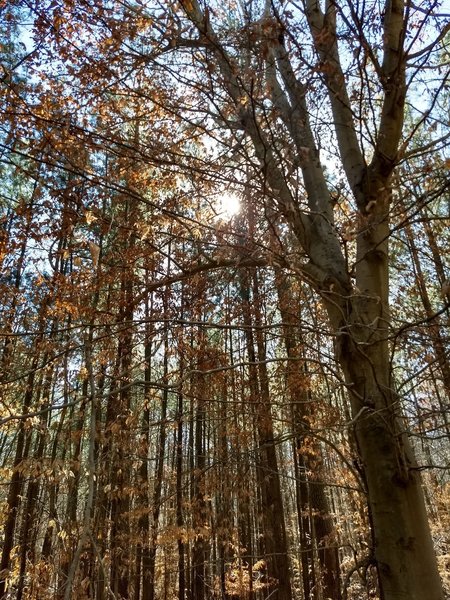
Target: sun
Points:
x,y
229,205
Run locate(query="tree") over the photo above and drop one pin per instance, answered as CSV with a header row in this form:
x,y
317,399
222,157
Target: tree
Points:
x,y
356,296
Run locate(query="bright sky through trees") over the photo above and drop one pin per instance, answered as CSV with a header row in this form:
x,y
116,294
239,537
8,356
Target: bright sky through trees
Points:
x,y
229,206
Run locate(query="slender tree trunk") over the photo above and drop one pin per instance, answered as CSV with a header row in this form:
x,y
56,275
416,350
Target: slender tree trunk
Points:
x,y
434,327
179,473
120,503
179,494
305,534
121,538
224,515
199,507
29,525
149,583
275,539
76,434
312,495
91,473
142,550
53,493
15,487
436,253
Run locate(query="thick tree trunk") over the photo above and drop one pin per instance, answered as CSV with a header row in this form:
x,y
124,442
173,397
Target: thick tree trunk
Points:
x,y
403,548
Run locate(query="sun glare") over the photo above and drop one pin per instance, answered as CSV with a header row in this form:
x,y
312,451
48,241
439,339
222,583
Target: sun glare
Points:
x,y
228,206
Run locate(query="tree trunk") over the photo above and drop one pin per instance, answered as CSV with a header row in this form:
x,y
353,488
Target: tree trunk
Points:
x,y
436,334
310,496
29,522
149,581
199,505
403,548
142,549
15,487
274,546
179,494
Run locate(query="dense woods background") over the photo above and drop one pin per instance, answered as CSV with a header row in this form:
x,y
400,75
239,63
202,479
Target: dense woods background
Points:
x,y
206,210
